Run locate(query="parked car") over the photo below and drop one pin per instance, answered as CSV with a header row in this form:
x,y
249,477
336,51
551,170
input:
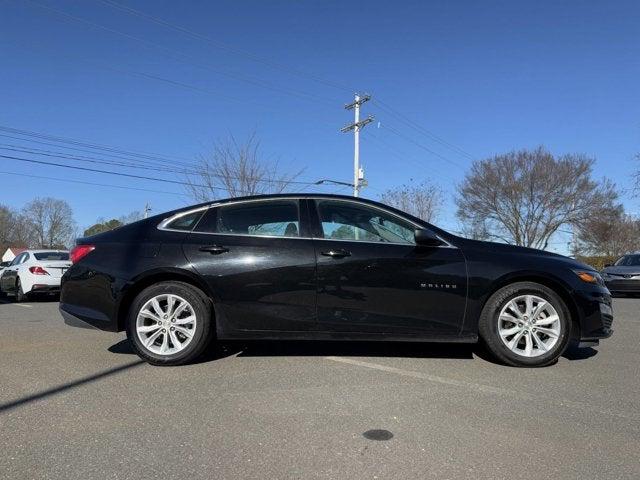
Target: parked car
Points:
x,y
4,265
326,267
623,277
34,272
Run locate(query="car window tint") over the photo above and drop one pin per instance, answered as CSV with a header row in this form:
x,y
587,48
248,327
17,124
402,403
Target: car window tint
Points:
x,y
17,260
51,256
185,222
349,221
276,218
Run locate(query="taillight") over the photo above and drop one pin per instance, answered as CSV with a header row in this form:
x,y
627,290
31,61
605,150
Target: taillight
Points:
x,y
37,270
80,251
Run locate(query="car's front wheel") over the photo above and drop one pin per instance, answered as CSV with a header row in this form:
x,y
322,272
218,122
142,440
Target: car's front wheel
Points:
x,y
170,323
525,324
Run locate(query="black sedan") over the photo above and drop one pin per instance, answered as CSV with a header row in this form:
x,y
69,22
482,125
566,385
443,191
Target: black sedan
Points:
x,y
326,267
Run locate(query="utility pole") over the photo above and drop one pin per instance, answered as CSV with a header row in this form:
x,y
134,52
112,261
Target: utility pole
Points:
x,y
357,125
147,209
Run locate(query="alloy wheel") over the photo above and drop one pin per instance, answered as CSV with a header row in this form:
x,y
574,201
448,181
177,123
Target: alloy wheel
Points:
x,y
529,325
166,324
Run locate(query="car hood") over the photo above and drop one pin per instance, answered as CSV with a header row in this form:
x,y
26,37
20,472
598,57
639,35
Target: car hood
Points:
x,y
495,247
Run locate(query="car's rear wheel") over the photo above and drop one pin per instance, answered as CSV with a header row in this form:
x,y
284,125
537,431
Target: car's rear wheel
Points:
x,y
525,324
170,323
20,295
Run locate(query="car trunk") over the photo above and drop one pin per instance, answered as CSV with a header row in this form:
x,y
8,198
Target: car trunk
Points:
x,y
56,268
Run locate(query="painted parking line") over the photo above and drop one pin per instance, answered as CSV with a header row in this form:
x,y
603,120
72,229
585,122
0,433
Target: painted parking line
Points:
x,y
486,389
23,305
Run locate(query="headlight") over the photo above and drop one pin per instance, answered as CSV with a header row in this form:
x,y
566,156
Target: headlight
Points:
x,y
589,276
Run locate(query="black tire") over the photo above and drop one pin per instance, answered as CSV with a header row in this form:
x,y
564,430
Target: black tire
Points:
x,y
204,329
20,295
488,325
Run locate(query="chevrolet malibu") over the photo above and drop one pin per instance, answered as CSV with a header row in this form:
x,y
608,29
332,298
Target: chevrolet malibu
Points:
x,y
326,267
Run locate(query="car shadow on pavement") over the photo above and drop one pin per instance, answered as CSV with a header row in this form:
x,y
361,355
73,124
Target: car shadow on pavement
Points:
x,y
291,348
317,348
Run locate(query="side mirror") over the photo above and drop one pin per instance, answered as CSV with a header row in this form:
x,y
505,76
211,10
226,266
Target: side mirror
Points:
x,y
426,238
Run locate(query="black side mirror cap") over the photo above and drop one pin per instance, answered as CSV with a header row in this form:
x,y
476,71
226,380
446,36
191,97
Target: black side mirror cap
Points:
x,y
427,238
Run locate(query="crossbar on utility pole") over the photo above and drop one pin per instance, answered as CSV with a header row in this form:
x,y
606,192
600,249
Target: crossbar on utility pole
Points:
x,y
356,126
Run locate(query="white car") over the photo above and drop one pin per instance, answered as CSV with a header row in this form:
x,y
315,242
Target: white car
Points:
x,y
34,271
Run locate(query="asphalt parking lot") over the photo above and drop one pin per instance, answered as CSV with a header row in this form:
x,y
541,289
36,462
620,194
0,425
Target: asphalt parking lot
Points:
x,y
77,404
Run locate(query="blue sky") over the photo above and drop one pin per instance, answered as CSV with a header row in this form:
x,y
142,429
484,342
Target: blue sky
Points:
x,y
487,77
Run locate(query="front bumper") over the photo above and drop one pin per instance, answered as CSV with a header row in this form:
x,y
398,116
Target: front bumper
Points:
x,y
623,286
596,314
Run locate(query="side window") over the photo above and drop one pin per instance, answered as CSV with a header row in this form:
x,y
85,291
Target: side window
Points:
x,y
274,218
19,259
350,221
185,222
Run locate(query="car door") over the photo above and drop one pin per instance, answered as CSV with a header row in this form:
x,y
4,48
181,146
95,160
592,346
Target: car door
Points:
x,y
259,262
10,274
372,278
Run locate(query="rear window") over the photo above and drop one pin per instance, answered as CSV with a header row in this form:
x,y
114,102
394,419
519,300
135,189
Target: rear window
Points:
x,y
185,222
51,256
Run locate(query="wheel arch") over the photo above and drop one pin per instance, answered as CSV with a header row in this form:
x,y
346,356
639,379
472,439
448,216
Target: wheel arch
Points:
x,y
147,279
556,284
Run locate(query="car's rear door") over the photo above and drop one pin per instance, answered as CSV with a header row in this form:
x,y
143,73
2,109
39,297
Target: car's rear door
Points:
x,y
372,278
259,262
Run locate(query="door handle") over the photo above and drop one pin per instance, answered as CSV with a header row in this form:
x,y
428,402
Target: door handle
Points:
x,y
339,253
214,249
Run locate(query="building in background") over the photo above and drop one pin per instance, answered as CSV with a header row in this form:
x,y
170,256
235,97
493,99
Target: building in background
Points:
x,y
11,253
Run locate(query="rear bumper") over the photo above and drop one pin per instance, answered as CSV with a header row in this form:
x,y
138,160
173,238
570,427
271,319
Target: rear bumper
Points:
x,y
43,288
82,317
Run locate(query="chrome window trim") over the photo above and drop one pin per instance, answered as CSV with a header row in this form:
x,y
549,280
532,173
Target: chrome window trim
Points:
x,y
162,225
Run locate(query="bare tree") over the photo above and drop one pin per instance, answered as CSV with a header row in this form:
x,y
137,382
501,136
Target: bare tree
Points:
x,y
524,197
422,200
50,221
7,222
235,169
14,229
610,235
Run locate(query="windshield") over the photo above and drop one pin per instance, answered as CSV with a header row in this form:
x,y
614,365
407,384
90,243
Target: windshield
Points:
x,y
51,256
629,261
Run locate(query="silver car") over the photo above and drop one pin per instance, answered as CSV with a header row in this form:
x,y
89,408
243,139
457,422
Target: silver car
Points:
x,y
624,275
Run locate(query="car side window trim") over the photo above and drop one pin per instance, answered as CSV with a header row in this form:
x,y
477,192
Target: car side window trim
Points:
x,y
303,219
319,234
308,227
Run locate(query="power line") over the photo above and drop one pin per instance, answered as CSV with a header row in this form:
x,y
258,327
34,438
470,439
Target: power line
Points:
x,y
418,144
107,172
149,165
406,158
185,58
90,183
227,47
417,127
